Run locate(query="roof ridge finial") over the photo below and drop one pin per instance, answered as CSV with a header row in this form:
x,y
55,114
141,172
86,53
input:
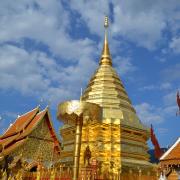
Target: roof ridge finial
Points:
x,y
106,56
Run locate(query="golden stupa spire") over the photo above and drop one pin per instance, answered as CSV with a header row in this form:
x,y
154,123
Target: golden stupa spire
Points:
x,y
106,56
105,87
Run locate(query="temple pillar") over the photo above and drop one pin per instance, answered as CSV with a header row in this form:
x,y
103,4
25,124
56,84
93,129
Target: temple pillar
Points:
x,y
77,147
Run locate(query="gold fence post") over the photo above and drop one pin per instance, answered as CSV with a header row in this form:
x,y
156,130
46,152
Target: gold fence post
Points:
x,y
140,174
77,148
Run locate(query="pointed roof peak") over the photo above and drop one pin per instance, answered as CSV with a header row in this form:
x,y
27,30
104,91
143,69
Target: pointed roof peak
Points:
x,y
106,56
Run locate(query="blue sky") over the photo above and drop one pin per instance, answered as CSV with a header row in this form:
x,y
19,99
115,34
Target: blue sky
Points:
x,y
50,48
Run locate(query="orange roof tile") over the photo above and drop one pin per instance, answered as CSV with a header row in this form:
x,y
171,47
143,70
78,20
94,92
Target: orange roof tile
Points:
x,y
173,152
35,121
20,123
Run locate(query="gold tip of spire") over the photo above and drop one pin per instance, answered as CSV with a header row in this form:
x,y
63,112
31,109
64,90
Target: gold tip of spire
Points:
x,y
106,56
106,24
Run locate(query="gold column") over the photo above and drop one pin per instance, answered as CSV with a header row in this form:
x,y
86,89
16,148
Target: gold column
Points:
x,y
77,147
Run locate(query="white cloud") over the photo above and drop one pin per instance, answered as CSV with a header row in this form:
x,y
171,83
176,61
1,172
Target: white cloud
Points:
x,y
148,87
124,65
170,98
92,13
1,121
163,86
141,22
170,110
11,115
162,131
139,27
171,73
148,114
33,72
175,45
36,74
20,70
48,24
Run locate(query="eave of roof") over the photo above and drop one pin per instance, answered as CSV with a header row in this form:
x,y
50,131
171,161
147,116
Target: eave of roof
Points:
x,y
8,140
13,146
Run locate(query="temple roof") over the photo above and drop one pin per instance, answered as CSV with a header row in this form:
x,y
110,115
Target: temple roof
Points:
x,y
18,132
173,153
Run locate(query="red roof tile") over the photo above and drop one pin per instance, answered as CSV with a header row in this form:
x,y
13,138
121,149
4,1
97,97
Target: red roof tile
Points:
x,y
20,123
35,121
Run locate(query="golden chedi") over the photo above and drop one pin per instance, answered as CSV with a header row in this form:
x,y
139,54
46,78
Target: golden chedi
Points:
x,y
119,140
